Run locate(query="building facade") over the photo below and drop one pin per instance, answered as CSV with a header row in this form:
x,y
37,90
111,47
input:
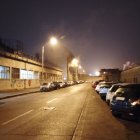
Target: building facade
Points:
x,y
20,72
110,74
131,75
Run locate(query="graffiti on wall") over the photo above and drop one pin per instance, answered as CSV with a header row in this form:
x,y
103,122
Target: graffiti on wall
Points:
x,y
29,83
17,83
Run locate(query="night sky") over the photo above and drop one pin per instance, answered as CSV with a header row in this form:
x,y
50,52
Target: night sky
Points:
x,y
102,34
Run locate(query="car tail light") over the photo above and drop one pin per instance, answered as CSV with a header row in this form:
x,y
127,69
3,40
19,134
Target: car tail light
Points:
x,y
136,102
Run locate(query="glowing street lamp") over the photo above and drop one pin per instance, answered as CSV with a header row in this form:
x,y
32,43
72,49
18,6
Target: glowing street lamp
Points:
x,y
74,62
53,42
97,73
90,74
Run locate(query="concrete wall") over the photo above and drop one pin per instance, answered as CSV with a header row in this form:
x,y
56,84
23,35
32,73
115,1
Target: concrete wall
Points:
x,y
14,61
131,75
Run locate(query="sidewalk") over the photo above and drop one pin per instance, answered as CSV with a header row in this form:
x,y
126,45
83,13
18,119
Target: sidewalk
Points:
x,y
14,93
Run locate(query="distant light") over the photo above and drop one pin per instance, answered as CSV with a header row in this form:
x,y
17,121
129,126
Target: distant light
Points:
x,y
53,41
97,73
65,78
90,74
79,67
83,70
74,62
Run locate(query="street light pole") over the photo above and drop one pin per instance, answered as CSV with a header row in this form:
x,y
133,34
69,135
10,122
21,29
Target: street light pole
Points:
x,y
42,64
53,41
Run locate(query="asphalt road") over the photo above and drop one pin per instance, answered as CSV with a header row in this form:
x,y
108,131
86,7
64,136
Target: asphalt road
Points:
x,y
72,113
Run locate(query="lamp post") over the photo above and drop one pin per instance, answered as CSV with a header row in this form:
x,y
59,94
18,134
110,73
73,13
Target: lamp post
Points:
x,y
53,42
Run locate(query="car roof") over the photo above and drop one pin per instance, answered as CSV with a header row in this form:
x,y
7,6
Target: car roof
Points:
x,y
131,85
106,85
120,84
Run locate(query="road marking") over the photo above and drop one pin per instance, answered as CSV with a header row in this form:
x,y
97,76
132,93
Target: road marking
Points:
x,y
17,117
52,100
49,108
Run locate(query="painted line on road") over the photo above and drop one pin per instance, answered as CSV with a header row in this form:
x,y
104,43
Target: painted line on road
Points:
x,y
52,100
17,117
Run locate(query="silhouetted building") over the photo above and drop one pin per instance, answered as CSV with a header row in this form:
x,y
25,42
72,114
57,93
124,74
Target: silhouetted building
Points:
x,y
110,74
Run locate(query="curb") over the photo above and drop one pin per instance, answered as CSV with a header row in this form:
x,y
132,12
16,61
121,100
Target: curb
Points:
x,y
15,95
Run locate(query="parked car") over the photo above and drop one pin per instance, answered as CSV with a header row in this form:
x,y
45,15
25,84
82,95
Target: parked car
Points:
x,y
94,84
56,85
46,87
70,83
126,101
112,90
98,86
103,90
62,84
97,89
75,82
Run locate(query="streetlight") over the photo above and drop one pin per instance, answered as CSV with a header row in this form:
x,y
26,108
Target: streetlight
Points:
x,y
74,64
52,41
80,67
97,73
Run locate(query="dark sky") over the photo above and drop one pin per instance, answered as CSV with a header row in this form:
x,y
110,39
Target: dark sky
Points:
x,y
102,34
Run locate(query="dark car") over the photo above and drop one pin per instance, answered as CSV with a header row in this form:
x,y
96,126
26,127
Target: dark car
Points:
x,y
126,101
56,85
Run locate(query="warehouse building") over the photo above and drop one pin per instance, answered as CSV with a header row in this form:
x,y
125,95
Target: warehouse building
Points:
x,y
19,71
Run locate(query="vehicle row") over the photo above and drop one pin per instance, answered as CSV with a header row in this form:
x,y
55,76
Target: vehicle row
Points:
x,y
57,85
122,98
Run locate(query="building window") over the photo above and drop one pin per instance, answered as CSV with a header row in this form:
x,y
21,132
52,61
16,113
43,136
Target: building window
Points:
x,y
15,73
36,75
27,74
23,74
4,72
30,75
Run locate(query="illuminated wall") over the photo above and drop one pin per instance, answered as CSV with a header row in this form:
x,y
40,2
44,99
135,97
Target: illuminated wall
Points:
x,y
19,72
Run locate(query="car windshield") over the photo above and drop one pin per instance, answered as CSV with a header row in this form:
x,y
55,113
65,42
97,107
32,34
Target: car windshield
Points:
x,y
114,88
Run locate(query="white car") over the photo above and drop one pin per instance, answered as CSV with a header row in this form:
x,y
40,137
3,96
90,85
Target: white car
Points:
x,y
98,86
111,92
46,87
97,89
103,90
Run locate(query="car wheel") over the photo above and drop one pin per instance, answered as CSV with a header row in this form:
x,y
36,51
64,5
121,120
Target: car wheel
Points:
x,y
114,113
